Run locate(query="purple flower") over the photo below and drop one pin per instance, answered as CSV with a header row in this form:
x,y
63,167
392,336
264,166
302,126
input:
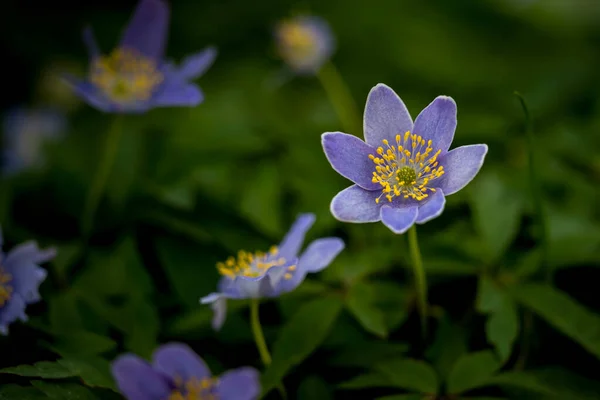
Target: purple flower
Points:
x,y
20,278
404,169
304,43
271,274
25,132
177,373
135,77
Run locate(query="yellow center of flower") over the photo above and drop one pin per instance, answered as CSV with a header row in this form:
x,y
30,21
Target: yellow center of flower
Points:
x,y
5,289
298,41
253,265
125,76
406,168
195,389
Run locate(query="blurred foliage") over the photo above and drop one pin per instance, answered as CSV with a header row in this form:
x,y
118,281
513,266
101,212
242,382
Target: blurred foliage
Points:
x,y
191,186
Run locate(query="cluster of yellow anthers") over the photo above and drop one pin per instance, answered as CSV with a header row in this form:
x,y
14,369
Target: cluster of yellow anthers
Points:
x,y
253,265
195,389
5,289
125,76
406,168
297,38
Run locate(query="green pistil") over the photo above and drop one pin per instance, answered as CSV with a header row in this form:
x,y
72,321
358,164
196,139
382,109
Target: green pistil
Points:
x,y
407,175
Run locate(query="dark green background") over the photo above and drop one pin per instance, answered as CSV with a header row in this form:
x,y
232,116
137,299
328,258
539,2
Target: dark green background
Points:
x,y
191,186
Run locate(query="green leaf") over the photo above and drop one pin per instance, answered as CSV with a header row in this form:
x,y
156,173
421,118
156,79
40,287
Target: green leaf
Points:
x,y
369,380
313,387
300,337
83,343
64,313
551,382
562,312
472,371
411,374
16,392
497,211
64,391
489,295
450,343
42,369
361,302
93,371
366,354
502,329
261,199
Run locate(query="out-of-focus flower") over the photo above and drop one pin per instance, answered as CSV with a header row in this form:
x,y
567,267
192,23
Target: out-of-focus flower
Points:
x,y
25,133
404,170
20,278
270,274
135,77
178,373
305,43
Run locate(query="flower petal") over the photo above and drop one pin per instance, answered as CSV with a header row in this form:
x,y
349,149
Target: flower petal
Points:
x,y
398,219
147,29
179,361
385,116
461,166
175,92
137,380
88,92
292,242
349,157
437,122
432,208
29,252
26,280
239,384
13,310
90,43
320,253
355,204
218,304
195,65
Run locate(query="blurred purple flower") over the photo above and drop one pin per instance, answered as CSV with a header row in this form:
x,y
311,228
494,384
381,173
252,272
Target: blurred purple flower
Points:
x,y
404,170
25,132
135,77
305,43
178,373
20,278
271,274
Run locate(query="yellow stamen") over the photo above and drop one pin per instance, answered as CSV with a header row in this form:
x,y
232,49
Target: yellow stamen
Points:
x,y
5,289
252,265
195,389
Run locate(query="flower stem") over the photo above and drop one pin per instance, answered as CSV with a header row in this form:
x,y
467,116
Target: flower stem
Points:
x,y
113,137
259,338
420,279
340,97
536,192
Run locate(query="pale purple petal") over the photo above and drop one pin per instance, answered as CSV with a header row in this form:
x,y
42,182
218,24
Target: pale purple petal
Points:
x,y
437,122
292,242
349,157
320,253
460,166
147,29
137,380
433,207
239,384
30,252
218,304
398,219
355,204
179,361
13,310
89,93
195,65
26,280
90,43
385,116
178,93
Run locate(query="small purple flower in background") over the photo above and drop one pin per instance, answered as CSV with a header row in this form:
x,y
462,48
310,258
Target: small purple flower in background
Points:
x,y
135,77
20,278
178,373
271,274
404,170
25,132
304,43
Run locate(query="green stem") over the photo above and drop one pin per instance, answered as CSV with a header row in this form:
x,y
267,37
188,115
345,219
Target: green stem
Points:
x,y
113,137
259,338
340,97
536,191
420,279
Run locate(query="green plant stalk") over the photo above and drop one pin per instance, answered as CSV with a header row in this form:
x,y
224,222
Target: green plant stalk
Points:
x,y
420,278
113,138
340,98
259,338
536,192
